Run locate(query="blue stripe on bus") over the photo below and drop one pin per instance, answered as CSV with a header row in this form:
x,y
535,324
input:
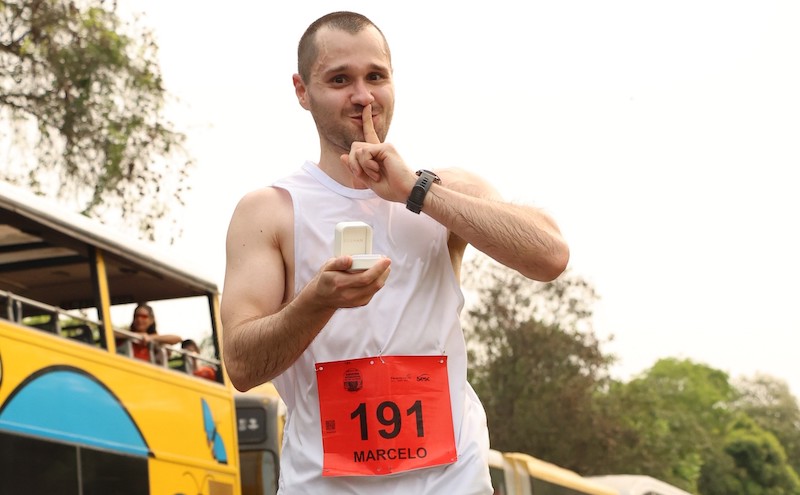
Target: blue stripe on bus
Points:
x,y
72,407
212,435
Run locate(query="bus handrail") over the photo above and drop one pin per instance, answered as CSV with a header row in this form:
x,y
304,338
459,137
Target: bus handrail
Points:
x,y
15,314
159,354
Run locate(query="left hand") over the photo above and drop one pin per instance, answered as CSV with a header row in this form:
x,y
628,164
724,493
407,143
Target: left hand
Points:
x,y
378,165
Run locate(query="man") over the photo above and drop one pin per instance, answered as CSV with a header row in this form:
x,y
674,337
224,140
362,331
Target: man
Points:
x,y
371,365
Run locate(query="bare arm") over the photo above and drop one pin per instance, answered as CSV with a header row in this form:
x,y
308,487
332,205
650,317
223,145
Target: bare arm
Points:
x,y
265,328
144,338
521,237
164,339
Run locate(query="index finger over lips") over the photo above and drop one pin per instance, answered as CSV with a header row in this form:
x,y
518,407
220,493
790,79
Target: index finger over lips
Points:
x,y
370,135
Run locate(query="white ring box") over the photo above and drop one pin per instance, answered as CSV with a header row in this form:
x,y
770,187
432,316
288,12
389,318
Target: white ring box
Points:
x,y
355,239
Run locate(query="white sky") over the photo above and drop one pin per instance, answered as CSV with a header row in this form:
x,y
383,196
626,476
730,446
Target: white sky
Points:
x,y
662,136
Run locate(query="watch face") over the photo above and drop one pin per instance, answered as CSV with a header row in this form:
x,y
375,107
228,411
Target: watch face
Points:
x,y
431,175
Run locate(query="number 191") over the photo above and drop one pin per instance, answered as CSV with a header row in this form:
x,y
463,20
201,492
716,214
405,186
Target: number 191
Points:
x,y
393,418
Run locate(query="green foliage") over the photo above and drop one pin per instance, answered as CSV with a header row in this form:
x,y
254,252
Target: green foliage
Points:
x,y
675,413
81,96
536,364
539,370
770,403
755,464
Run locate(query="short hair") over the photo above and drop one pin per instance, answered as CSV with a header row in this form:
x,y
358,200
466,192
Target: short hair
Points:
x,y
349,22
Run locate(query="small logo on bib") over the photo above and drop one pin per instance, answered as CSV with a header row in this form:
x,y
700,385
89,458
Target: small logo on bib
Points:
x,y
352,380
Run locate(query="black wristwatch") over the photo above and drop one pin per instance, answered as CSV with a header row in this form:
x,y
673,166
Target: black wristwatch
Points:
x,y
417,196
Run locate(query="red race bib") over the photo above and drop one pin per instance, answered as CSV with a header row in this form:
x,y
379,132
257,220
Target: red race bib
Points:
x,y
385,415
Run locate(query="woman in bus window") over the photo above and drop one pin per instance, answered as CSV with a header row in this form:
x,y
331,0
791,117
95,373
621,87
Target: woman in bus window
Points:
x,y
144,324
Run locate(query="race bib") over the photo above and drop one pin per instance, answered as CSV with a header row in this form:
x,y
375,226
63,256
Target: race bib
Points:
x,y
385,415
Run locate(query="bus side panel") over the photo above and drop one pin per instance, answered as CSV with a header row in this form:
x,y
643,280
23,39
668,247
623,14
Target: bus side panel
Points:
x,y
68,393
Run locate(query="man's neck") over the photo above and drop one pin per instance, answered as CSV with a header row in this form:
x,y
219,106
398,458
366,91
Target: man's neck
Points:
x,y
331,164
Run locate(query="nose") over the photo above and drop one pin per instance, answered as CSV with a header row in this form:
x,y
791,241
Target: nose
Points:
x,y
362,94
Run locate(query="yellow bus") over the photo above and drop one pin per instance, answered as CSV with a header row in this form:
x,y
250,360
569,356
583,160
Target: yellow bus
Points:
x,y
501,472
79,414
637,484
531,476
261,414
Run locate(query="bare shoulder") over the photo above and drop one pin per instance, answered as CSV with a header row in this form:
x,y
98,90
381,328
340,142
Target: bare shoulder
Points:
x,y
270,203
255,273
463,181
264,211
272,197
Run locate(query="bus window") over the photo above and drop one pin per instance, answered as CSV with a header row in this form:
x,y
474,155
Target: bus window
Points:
x,y
258,419
37,466
259,472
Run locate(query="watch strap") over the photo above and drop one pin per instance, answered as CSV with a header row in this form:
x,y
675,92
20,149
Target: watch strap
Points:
x,y
420,190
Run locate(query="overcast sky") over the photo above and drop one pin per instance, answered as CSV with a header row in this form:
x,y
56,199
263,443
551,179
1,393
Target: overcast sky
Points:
x,y
664,138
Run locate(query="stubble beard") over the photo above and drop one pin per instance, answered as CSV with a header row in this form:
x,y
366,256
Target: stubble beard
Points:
x,y
341,136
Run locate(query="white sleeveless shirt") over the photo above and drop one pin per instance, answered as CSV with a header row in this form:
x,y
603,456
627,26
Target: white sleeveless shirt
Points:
x,y
415,313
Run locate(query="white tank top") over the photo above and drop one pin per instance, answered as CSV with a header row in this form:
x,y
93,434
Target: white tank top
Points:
x,y
416,313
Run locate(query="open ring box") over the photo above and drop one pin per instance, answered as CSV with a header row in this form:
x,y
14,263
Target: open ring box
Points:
x,y
355,239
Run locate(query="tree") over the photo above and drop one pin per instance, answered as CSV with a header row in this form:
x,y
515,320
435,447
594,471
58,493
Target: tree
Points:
x,y
770,403
674,416
755,464
81,98
536,364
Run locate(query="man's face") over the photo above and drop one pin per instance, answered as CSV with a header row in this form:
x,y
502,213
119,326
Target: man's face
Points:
x,y
351,72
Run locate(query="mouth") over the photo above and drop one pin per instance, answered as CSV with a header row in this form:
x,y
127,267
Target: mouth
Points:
x,y
359,116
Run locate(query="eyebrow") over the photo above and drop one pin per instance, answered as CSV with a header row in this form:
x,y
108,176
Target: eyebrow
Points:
x,y
347,67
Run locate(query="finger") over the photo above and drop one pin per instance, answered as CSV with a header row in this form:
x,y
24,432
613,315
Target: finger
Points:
x,y
375,275
339,264
358,174
361,165
370,135
385,268
367,164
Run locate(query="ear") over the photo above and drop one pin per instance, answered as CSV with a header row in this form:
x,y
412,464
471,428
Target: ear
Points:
x,y
301,91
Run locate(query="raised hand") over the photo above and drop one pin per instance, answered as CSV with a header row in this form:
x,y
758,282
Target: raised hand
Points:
x,y
370,167
378,165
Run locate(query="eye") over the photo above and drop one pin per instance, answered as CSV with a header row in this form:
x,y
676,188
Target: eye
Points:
x,y
375,76
339,79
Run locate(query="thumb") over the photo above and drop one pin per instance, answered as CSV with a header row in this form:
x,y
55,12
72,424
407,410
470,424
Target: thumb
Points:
x,y
370,135
339,264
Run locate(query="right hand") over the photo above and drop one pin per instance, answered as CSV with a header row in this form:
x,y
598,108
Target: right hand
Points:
x,y
334,287
378,165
